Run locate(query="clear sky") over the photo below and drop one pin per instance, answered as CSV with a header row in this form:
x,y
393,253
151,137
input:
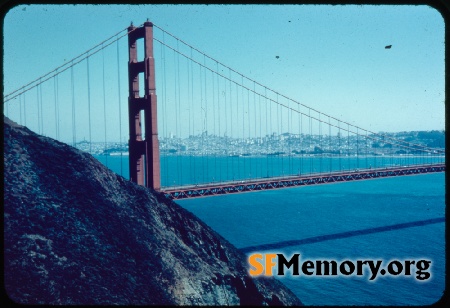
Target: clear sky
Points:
x,y
331,58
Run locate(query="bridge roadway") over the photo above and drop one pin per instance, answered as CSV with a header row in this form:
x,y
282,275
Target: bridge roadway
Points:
x,y
241,186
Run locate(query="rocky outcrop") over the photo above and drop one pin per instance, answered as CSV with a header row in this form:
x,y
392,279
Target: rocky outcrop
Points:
x,y
76,233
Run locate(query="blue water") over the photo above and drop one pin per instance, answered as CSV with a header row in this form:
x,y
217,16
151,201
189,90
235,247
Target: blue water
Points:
x,y
298,213
191,170
295,214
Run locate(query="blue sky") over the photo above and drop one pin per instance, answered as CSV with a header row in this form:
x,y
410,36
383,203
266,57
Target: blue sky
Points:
x,y
331,58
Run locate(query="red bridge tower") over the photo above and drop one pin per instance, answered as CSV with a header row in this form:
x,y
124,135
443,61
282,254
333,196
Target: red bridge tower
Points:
x,y
143,145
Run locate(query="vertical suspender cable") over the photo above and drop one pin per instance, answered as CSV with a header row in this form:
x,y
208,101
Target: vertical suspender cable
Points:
x,y
391,156
89,104
290,124
177,121
25,106
320,143
339,142
302,151
260,136
367,153
120,107
57,102
267,135
237,123
424,157
201,123
206,119
55,99
165,102
20,108
214,121
407,159
288,138
38,113
38,88
243,124
191,172
193,113
41,101
329,144
55,93
271,131
226,129
374,158
177,175
348,146
224,93
162,133
248,115
311,163
300,136
104,106
279,129
230,134
255,135
38,110
357,148
220,114
72,88
181,182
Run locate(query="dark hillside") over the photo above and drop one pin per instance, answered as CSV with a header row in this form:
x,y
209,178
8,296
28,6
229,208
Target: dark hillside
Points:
x,y
76,233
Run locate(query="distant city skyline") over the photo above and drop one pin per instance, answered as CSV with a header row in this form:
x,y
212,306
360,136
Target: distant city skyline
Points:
x,y
331,58
287,144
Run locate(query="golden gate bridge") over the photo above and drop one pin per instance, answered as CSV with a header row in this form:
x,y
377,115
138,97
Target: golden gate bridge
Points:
x,y
198,127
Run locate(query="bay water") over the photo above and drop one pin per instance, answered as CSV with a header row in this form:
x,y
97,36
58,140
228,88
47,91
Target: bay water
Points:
x,y
399,218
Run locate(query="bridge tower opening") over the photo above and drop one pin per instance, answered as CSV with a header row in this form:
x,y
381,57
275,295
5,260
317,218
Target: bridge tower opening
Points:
x,y
143,145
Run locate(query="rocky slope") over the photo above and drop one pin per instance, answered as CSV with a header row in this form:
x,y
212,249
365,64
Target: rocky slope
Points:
x,y
76,233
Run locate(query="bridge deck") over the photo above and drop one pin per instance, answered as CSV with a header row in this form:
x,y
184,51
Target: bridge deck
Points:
x,y
215,189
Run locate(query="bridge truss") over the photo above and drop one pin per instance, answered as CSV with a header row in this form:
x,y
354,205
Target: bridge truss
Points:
x,y
208,190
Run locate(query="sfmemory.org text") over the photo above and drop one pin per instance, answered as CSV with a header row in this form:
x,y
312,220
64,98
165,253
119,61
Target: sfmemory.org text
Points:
x,y
271,264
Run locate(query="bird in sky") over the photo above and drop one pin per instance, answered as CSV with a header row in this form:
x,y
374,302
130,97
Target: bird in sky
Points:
x,y
388,47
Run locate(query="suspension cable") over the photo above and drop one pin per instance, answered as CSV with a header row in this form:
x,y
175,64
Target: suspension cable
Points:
x,y
63,68
284,96
395,141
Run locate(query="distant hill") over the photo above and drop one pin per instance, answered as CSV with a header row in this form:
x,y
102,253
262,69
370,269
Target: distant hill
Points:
x,y
76,233
433,138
